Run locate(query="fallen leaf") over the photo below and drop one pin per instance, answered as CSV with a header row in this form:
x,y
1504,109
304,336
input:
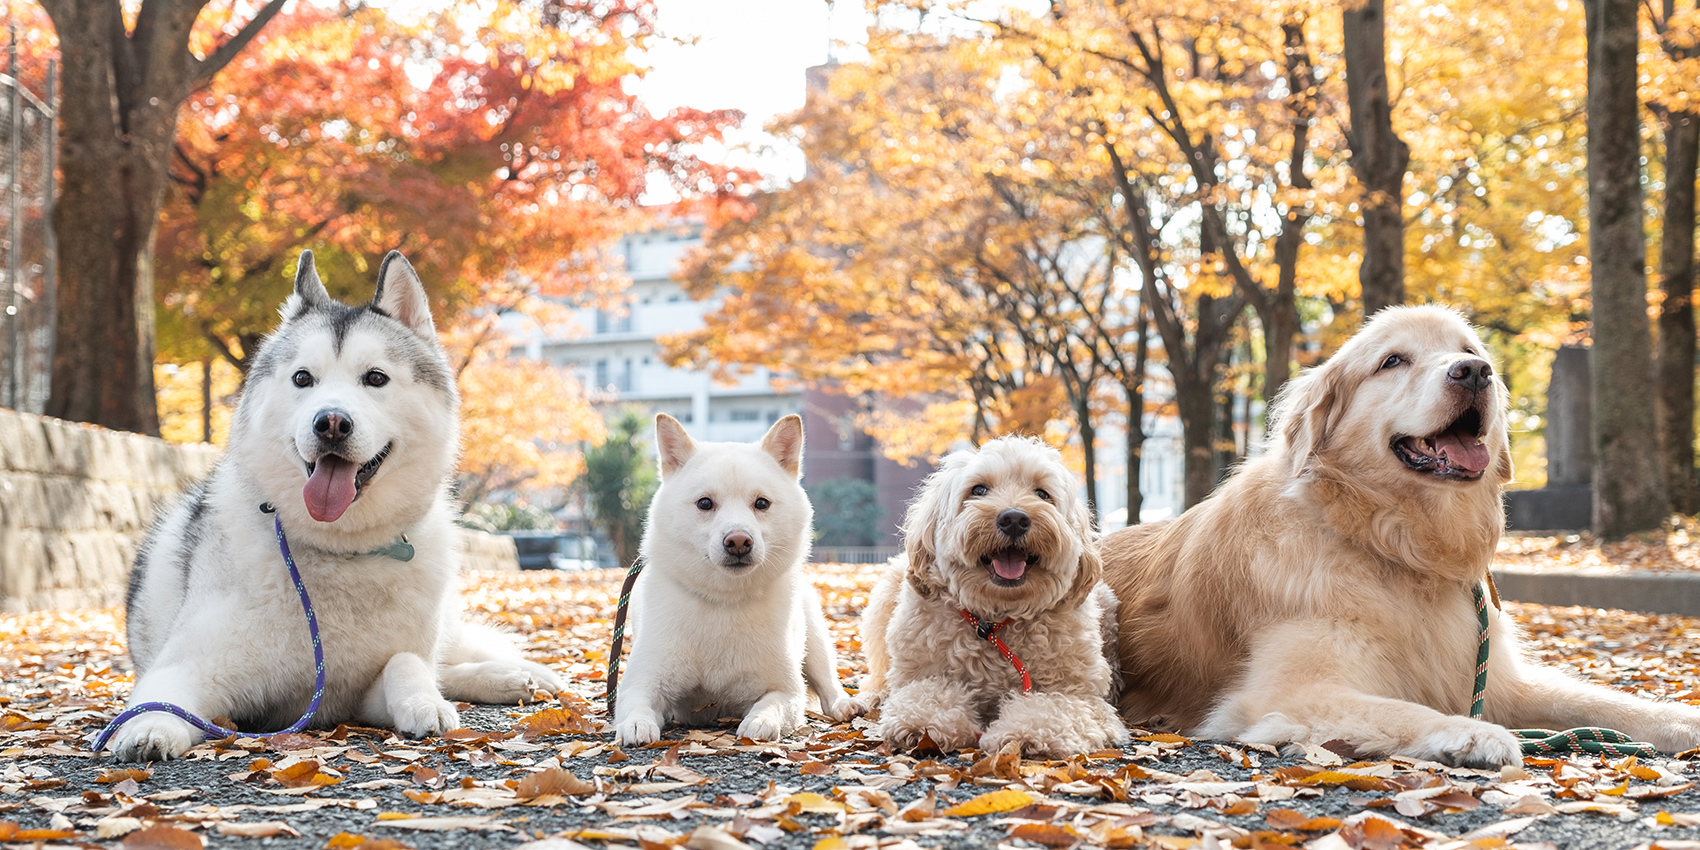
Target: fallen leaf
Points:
x,y
553,781
119,774
261,829
1048,834
992,802
162,837
554,721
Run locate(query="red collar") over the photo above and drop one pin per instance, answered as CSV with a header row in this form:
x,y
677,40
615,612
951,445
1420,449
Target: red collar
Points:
x,y
989,631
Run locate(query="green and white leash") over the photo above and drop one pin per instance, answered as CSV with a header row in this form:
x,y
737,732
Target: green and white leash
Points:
x,y
1584,739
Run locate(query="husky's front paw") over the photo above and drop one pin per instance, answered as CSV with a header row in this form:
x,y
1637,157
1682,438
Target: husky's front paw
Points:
x,y
1464,742
499,681
426,714
641,727
155,735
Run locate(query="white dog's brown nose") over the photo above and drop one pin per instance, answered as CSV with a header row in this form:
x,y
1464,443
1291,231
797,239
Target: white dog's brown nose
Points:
x,y
1014,522
737,544
1472,374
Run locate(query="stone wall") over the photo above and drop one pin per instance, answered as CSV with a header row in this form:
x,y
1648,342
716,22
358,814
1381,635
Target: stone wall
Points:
x,y
76,501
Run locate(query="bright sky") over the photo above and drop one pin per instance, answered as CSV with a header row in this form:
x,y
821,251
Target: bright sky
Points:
x,y
748,55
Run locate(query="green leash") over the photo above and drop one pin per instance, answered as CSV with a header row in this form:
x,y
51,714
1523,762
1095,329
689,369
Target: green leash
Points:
x,y
620,632
1584,739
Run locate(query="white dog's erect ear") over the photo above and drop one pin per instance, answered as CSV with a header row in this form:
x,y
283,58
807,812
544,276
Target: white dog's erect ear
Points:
x,y
401,295
309,290
672,444
785,442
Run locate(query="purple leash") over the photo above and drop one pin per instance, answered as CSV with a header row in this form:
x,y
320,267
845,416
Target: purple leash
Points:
x,y
219,731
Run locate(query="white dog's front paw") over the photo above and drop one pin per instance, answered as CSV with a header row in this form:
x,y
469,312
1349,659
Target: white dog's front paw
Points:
x,y
1464,742
949,729
841,706
641,727
419,716
769,723
155,735
543,678
499,681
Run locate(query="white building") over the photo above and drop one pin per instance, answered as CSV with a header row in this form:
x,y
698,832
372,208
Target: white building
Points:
x,y
615,354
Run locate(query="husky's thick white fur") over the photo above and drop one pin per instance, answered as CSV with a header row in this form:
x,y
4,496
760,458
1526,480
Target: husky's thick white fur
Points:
x,y
347,426
725,622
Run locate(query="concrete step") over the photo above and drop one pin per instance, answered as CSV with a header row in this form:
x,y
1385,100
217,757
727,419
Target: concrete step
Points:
x,y
1647,592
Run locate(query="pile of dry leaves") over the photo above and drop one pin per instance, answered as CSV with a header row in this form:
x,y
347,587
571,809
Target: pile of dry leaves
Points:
x,y
549,775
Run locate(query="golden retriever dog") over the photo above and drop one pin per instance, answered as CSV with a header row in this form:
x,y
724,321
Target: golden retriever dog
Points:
x,y
999,555
1325,591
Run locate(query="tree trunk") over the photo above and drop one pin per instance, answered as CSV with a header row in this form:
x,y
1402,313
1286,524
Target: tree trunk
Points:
x,y
1379,157
206,400
1089,454
118,118
1134,386
1195,401
1629,481
1676,343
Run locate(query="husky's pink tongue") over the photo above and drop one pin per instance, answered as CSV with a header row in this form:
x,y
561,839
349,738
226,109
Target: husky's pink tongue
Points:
x,y
1462,450
1009,568
330,489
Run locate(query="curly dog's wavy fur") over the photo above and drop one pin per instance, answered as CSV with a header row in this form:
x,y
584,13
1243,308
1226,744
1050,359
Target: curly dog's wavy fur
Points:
x,y
934,674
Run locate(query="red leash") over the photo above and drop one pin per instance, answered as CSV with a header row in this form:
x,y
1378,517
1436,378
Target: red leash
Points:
x,y
988,631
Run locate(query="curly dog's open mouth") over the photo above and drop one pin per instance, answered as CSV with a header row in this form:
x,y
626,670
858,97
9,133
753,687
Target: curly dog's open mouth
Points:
x,y
1455,453
1008,566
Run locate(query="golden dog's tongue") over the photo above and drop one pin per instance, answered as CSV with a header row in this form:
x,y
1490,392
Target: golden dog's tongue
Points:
x,y
1464,451
1009,567
330,489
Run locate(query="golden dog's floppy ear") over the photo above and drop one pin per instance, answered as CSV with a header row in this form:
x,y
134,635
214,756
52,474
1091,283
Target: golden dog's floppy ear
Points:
x,y
1308,409
1091,563
921,524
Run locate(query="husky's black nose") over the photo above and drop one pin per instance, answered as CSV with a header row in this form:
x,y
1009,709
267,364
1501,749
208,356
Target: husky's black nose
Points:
x,y
737,544
333,425
1014,522
1472,374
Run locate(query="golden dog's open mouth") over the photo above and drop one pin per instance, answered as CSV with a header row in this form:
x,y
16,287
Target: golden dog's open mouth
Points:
x,y
1456,452
1009,566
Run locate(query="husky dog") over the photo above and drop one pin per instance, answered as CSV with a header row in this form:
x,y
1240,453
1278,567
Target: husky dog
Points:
x,y
725,622
347,429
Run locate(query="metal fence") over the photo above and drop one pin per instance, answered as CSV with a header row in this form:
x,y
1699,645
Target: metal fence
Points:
x,y
28,143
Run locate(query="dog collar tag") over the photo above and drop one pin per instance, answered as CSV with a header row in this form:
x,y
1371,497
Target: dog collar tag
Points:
x,y
401,550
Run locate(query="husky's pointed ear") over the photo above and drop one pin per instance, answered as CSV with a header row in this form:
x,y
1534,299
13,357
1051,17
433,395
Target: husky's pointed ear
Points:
x,y
402,296
785,442
309,290
672,443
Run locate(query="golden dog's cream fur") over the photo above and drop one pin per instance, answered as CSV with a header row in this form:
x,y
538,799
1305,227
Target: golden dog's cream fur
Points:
x,y
1324,591
936,676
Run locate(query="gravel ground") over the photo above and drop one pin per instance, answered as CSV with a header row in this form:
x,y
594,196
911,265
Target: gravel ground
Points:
x,y
62,675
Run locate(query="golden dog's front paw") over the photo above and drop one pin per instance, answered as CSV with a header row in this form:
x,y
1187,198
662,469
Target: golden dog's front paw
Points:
x,y
1464,742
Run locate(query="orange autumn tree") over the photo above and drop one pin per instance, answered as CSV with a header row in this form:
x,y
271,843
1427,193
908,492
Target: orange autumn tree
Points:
x,y
493,144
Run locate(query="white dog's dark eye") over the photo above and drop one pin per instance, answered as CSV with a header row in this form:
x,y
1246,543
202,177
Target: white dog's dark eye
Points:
x,y
705,504
1392,361
374,378
763,504
1041,493
979,490
303,378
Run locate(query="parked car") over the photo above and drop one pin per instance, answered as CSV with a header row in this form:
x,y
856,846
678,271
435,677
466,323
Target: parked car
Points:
x,y
552,550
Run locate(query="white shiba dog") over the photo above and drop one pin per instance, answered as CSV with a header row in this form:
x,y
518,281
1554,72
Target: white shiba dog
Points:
x,y
725,623
347,428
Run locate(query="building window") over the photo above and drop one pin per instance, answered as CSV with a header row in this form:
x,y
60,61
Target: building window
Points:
x,y
614,321
626,377
745,416
601,373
